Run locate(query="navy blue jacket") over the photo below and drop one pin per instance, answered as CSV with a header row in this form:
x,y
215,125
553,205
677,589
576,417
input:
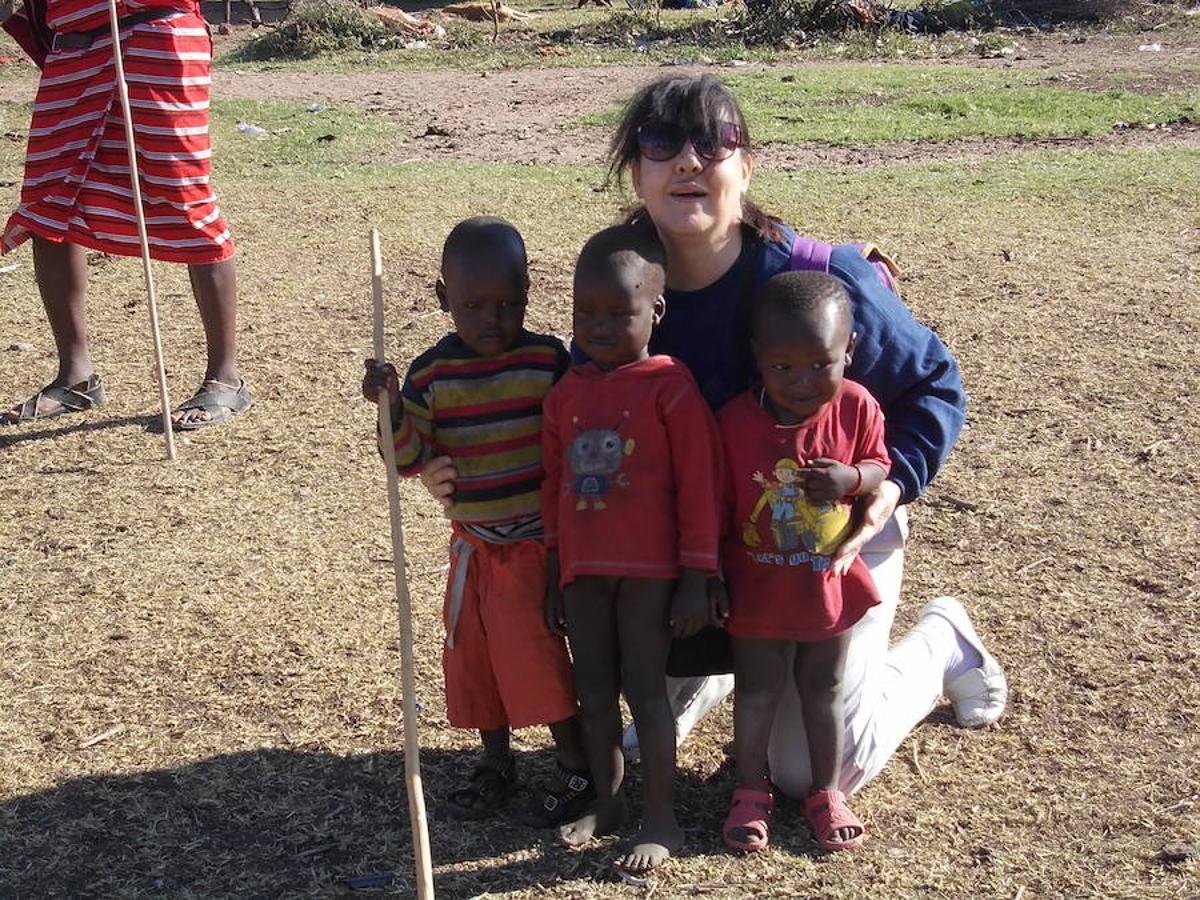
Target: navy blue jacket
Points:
x,y
904,365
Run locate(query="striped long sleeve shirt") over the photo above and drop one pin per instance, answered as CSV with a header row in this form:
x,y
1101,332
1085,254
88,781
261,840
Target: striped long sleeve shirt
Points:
x,y
485,413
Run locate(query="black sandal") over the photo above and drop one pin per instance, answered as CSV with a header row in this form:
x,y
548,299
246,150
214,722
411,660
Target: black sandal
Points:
x,y
221,401
491,783
564,800
86,395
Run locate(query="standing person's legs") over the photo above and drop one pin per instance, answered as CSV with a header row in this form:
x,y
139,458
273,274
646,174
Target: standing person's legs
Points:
x,y
888,691
61,272
215,288
761,668
222,394
590,605
873,730
643,612
62,277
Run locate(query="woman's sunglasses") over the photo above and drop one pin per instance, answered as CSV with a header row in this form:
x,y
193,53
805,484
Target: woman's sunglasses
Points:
x,y
659,141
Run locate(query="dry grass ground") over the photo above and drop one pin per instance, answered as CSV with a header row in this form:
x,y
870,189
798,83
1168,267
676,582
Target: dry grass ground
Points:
x,y
198,661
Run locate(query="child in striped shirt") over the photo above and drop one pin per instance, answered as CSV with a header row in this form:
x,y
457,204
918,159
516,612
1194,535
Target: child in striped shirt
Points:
x,y
476,396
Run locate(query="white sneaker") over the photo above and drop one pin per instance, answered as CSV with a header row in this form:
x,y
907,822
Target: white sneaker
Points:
x,y
978,695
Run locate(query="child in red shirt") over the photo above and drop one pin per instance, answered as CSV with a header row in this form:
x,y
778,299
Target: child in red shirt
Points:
x,y
798,448
631,521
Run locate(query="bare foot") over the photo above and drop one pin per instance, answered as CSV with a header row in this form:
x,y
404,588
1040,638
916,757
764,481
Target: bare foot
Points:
x,y
604,819
651,847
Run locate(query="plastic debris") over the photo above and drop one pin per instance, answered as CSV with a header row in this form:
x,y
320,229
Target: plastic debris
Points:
x,y
1151,48
316,107
20,348
247,128
369,882
416,45
11,267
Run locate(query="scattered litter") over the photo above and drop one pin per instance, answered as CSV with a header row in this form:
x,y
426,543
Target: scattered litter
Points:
x,y
416,45
326,138
397,21
316,107
369,882
20,347
630,878
1174,854
102,736
11,267
482,12
679,61
1151,48
737,63
247,128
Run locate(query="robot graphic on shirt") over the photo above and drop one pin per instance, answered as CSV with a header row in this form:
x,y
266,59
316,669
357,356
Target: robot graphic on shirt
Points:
x,y
595,457
795,522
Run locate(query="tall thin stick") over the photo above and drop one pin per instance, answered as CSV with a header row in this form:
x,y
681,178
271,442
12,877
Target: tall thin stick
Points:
x,y
123,92
412,749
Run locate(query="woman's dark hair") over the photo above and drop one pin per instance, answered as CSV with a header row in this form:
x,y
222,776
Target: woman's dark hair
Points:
x,y
692,103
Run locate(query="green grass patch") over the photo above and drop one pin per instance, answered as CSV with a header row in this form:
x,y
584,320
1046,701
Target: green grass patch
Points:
x,y
855,104
295,136
558,206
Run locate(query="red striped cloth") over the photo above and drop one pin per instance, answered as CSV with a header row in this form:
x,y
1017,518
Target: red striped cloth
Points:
x,y
77,183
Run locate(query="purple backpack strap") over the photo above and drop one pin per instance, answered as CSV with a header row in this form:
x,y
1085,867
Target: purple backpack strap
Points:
x,y
811,255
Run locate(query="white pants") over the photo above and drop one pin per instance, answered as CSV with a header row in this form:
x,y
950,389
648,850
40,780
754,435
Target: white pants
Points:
x,y
888,691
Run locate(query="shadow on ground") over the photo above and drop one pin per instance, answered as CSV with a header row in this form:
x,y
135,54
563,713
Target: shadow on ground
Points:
x,y
277,823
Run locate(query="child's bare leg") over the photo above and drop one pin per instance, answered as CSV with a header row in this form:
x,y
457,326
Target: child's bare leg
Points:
x,y
643,610
818,671
568,742
760,668
491,781
590,607
496,743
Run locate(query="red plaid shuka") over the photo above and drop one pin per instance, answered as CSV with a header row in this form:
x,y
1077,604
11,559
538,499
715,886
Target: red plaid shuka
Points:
x,y
77,182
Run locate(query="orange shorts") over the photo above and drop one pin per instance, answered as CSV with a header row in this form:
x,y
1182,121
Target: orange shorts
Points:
x,y
503,666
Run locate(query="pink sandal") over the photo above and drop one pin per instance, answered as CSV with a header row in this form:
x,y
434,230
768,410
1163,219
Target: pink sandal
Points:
x,y
751,812
827,812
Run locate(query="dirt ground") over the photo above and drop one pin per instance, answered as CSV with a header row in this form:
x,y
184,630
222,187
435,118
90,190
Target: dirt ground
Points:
x,y
524,115
198,662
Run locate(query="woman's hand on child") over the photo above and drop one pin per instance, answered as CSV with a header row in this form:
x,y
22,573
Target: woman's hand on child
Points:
x,y
437,476
689,607
877,507
827,480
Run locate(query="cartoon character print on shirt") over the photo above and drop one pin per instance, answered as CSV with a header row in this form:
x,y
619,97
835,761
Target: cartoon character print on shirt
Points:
x,y
595,457
796,524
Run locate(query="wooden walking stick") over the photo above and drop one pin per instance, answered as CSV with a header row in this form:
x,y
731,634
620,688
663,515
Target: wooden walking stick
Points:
x,y
412,749
123,92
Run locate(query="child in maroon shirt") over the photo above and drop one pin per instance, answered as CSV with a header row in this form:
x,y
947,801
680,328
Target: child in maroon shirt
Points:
x,y
798,448
630,509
